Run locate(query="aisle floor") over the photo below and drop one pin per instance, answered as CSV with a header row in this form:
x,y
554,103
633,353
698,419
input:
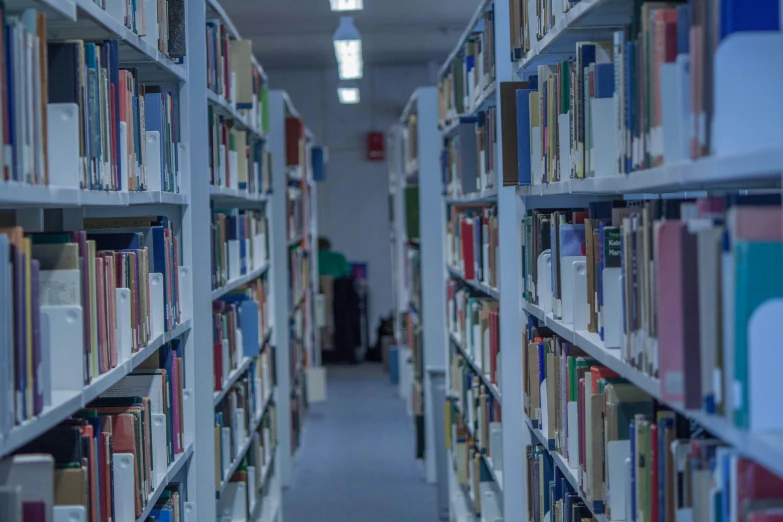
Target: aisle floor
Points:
x,y
356,463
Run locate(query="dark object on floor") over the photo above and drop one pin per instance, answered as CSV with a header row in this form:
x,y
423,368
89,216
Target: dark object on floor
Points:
x,y
347,326
385,329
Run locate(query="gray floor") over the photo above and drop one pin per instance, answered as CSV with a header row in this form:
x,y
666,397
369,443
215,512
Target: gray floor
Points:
x,y
356,463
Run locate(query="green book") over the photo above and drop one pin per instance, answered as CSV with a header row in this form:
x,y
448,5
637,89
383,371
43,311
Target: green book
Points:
x,y
412,212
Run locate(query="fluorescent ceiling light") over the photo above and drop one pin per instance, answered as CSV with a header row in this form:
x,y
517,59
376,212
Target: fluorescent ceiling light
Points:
x,y
348,95
347,5
348,50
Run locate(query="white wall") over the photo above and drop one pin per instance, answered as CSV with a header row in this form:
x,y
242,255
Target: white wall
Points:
x,y
353,202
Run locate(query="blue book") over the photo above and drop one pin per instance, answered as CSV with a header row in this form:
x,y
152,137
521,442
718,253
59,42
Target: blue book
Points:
x,y
572,240
248,323
113,47
604,80
739,16
165,514
153,115
629,102
11,102
684,21
523,136
243,268
94,113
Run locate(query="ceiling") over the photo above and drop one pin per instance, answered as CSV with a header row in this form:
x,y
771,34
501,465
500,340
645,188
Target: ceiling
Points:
x,y
298,33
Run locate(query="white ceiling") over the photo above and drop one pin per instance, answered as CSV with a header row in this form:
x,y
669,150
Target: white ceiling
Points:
x,y
298,33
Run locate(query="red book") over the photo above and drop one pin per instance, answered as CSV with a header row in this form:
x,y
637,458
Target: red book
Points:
x,y
770,516
124,438
217,361
468,256
754,482
293,134
107,482
175,406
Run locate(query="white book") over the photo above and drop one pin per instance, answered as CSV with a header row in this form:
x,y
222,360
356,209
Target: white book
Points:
x,y
34,474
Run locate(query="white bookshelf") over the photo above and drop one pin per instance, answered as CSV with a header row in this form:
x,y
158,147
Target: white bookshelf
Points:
x,y
190,210
745,172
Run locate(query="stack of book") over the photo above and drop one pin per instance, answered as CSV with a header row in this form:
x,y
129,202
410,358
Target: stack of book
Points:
x,y
473,321
237,160
239,244
160,23
472,242
237,329
672,275
98,133
520,28
470,74
642,99
219,60
109,457
84,271
631,458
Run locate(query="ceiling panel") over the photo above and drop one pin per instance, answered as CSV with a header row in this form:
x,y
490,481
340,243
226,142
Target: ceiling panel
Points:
x,y
298,33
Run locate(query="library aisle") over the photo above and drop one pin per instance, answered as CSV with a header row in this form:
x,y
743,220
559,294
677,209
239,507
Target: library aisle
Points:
x,y
356,462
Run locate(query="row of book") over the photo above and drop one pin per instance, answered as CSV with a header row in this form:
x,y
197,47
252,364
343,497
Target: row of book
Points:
x,y
469,155
246,485
631,458
519,17
239,244
160,23
296,214
232,74
237,159
43,272
473,431
239,328
299,276
644,99
110,456
674,285
79,119
472,242
237,419
470,73
474,321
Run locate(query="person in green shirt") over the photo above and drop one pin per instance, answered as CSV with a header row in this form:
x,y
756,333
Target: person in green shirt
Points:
x,y
331,263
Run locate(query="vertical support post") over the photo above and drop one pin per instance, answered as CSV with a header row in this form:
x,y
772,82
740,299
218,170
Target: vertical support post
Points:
x,y
433,291
195,228
515,436
279,284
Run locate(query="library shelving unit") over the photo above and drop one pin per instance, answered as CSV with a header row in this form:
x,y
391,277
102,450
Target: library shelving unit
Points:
x,y
247,476
416,237
613,231
290,144
107,295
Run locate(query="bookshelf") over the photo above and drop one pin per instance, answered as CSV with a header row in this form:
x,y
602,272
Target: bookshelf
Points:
x,y
418,291
515,179
143,313
290,143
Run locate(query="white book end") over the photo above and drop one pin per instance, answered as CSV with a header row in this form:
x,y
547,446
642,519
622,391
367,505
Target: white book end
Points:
x,y
64,164
124,332
676,116
222,158
157,305
612,312
604,153
226,362
564,144
151,23
544,283
616,488
189,415
225,450
124,487
240,430
233,169
741,105
191,514
124,155
160,448
536,161
66,346
233,260
116,8
316,384
69,514
184,164
153,160
185,293
764,335
568,289
496,445
580,309
573,434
